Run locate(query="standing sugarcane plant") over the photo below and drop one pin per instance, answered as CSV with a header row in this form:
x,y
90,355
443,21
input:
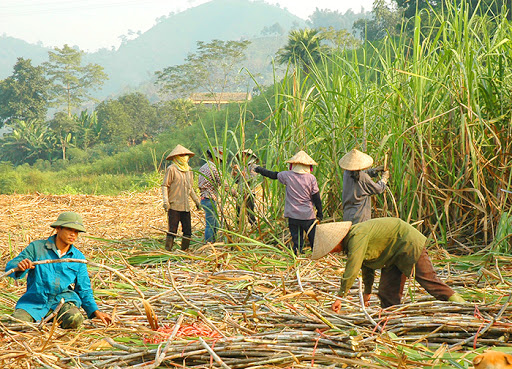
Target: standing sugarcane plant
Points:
x,y
437,101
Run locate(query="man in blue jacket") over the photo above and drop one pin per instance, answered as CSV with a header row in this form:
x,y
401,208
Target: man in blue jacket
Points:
x,y
47,284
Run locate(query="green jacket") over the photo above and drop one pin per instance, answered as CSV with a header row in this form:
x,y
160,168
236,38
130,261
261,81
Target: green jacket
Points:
x,y
379,243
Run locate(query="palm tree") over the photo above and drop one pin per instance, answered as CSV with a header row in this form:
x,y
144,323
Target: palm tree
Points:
x,y
304,48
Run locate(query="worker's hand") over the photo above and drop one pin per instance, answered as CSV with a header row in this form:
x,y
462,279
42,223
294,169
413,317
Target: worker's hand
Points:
x,y
379,168
24,265
105,318
366,299
319,216
385,176
336,306
252,167
167,206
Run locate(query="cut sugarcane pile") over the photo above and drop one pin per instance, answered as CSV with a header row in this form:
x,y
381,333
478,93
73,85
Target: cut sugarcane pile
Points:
x,y
242,305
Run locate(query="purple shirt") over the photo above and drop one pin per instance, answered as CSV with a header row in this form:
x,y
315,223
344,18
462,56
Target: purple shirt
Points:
x,y
299,189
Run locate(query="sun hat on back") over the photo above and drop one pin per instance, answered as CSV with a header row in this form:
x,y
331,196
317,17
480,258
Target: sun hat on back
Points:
x,y
328,236
217,152
355,160
179,150
301,158
69,219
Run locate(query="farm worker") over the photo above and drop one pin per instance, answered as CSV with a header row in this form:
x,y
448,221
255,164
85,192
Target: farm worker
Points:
x,y
47,284
176,188
389,244
302,196
208,182
358,187
245,178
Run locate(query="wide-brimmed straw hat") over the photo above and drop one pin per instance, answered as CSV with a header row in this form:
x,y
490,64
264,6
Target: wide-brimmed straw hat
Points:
x,y
301,158
179,150
248,152
328,236
69,219
356,160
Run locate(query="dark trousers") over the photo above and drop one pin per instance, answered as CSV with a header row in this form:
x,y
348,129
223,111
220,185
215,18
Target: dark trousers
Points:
x,y
297,229
175,217
392,281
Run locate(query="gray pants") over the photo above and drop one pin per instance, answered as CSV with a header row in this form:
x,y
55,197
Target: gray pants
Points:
x,y
69,316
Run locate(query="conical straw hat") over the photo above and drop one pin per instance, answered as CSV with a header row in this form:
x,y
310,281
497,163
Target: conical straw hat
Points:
x,y
301,158
179,150
355,160
328,236
249,152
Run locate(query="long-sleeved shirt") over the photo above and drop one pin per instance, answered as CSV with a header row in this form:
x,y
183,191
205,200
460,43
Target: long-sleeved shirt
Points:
x,y
302,193
209,180
48,283
179,187
379,243
357,206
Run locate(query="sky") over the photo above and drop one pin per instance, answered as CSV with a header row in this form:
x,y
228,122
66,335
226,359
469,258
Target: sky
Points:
x,y
95,24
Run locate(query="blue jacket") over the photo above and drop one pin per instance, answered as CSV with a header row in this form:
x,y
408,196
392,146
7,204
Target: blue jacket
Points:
x,y
48,283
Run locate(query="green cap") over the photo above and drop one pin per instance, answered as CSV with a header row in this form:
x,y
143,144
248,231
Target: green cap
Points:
x,y
69,219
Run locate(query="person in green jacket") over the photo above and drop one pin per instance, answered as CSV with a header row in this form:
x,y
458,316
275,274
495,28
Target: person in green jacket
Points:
x,y
389,244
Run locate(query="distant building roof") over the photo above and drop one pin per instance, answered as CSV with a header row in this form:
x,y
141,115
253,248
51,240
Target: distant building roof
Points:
x,y
220,98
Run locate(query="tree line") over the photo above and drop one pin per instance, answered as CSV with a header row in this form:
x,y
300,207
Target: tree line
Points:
x,y
50,113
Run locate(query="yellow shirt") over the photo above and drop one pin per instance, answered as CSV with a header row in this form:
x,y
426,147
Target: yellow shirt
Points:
x,y
179,188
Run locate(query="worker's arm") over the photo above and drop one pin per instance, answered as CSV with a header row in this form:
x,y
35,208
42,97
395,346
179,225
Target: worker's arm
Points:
x,y
317,201
23,262
266,173
368,279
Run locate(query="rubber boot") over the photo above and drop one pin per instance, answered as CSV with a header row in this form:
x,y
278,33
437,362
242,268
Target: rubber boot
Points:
x,y
185,244
169,243
456,298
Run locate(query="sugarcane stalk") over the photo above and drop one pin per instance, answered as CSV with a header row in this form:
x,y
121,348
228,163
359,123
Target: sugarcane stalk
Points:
x,y
479,333
173,234
361,300
216,357
82,261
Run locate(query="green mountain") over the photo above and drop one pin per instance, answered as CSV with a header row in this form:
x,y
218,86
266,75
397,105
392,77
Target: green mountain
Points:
x,y
167,43
11,48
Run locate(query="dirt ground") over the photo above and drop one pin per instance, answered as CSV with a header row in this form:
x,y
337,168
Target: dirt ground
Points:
x,y
24,218
130,216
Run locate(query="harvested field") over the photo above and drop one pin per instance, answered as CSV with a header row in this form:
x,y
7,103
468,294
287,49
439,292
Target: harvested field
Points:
x,y
241,305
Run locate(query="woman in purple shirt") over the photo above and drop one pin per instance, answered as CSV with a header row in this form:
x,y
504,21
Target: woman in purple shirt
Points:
x,y
302,196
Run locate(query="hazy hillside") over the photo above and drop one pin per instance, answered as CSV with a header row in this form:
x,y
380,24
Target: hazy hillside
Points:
x,y
11,48
170,40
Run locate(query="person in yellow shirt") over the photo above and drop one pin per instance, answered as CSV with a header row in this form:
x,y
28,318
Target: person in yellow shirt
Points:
x,y
176,189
